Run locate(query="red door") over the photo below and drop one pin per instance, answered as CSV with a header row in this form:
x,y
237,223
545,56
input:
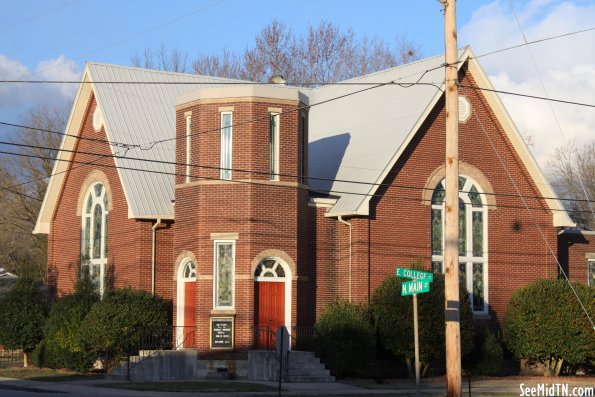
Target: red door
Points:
x,y
189,314
270,308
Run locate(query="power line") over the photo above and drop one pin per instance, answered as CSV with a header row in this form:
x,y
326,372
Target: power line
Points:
x,y
22,21
527,96
321,192
580,179
37,129
551,251
535,41
134,36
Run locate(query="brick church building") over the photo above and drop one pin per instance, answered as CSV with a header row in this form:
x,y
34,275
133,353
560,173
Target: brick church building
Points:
x,y
250,206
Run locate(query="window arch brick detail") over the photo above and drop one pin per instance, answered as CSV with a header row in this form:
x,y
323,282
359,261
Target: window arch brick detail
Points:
x,y
181,260
273,253
464,169
93,177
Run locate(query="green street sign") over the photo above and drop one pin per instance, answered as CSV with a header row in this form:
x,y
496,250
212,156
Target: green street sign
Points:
x,y
414,274
415,287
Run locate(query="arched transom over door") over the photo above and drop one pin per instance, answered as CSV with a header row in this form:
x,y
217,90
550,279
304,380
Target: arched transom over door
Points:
x,y
186,305
272,291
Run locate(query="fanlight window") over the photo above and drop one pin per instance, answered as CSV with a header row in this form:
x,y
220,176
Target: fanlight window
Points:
x,y
189,272
472,239
270,268
94,235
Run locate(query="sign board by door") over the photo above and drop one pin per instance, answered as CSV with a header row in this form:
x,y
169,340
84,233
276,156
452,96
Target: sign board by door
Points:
x,y
222,333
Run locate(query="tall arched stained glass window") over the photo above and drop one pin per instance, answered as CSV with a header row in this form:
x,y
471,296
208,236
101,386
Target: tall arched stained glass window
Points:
x,y
94,235
472,239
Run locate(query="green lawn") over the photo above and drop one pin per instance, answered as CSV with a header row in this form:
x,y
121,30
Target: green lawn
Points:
x,y
190,387
45,374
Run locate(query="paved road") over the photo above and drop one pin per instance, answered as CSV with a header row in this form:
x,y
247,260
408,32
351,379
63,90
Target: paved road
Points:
x,y
499,387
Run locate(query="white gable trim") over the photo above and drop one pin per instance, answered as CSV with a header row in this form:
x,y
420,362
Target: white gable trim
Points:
x,y
73,128
62,164
560,216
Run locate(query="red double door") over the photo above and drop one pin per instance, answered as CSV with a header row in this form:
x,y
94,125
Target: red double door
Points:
x,y
270,311
189,314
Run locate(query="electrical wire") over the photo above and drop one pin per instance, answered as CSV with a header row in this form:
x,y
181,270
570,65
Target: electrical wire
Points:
x,y
80,137
296,177
551,251
555,114
324,193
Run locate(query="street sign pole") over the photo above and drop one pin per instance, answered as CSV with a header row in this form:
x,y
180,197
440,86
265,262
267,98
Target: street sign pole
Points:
x,y
416,342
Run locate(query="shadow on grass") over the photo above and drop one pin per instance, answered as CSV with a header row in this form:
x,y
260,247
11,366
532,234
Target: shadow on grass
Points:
x,y
46,374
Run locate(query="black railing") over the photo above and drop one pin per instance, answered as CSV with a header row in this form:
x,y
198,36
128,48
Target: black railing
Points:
x,y
11,357
302,338
129,353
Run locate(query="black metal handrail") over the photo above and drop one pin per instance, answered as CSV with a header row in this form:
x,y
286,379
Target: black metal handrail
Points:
x,y
10,357
149,343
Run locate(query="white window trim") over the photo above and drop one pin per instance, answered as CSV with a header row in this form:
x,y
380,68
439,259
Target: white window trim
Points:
x,y
102,260
589,262
216,274
224,168
181,299
274,151
188,146
468,258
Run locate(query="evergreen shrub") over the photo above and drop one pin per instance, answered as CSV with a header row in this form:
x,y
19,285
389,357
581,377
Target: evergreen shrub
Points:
x,y
345,339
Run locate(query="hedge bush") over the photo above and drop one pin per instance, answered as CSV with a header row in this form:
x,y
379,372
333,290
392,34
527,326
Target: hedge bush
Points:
x,y
393,316
546,324
345,339
23,311
63,345
487,355
124,318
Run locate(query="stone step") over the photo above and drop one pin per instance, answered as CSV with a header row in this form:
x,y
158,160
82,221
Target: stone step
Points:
x,y
311,379
309,372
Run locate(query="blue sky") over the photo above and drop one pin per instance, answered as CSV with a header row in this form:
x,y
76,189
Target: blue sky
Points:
x,y
52,39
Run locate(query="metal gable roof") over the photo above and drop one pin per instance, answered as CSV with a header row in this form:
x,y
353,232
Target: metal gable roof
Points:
x,y
139,114
356,138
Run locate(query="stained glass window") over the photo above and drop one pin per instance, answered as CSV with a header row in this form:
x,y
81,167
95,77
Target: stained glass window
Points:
x,y
478,287
474,197
94,235
477,225
270,268
226,137
472,232
274,147
436,232
592,273
462,228
224,274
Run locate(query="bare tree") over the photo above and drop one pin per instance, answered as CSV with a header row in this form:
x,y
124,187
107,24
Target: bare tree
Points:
x,y
24,181
326,54
227,64
163,58
572,171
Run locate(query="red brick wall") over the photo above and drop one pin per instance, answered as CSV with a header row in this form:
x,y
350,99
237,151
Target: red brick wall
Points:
x,y
129,240
398,230
266,215
572,250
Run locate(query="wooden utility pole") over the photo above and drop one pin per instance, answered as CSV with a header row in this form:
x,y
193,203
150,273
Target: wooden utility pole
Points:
x,y
451,240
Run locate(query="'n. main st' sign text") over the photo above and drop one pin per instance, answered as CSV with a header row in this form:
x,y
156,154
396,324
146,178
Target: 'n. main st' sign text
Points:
x,y
415,287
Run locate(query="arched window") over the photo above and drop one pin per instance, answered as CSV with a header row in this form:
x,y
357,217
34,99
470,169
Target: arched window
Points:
x,y
270,268
94,236
472,239
189,271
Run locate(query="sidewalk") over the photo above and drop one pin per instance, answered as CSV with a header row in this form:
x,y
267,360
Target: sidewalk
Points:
x,y
509,386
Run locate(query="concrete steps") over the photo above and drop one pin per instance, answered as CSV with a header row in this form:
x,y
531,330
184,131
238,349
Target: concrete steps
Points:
x,y
305,367
158,365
